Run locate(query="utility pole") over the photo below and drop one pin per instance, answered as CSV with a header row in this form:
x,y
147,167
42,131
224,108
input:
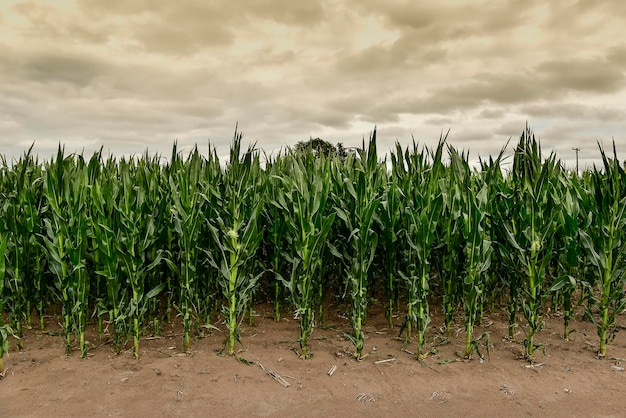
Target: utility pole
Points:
x,y
577,151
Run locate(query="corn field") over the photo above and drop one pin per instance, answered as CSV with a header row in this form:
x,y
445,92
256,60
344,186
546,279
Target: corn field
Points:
x,y
128,245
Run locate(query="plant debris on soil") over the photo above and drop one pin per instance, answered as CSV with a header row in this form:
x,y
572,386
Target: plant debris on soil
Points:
x,y
565,379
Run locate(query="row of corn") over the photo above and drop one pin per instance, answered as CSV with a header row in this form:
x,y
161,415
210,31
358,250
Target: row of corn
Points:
x,y
127,245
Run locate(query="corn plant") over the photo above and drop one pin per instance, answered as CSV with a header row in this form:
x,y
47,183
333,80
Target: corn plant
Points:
x,y
187,210
492,175
4,240
5,330
606,247
531,240
77,200
208,276
152,180
450,235
104,219
421,215
23,209
136,238
16,293
390,219
302,199
57,232
358,211
237,234
507,265
98,283
168,273
66,240
477,251
276,241
569,248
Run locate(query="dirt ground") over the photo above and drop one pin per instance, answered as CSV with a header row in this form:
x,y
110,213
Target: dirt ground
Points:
x,y
566,378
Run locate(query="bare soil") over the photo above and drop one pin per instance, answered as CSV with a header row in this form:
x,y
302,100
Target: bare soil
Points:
x,y
565,379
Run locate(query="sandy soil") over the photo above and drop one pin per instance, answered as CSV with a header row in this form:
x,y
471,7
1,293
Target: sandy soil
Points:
x,y
565,380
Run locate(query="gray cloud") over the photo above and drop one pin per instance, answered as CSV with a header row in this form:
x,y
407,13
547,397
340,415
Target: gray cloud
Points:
x,y
617,55
72,69
445,22
131,75
191,26
186,11
492,113
573,111
51,25
404,53
439,121
592,75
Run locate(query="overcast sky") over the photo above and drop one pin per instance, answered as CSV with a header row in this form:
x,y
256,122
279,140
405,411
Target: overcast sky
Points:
x,y
135,74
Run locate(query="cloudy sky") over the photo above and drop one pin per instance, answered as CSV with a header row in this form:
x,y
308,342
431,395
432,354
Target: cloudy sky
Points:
x,y
135,74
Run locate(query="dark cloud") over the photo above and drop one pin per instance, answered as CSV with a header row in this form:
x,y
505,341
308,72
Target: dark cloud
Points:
x,y
617,55
548,81
592,75
193,11
268,57
492,113
414,15
573,111
445,21
67,68
487,88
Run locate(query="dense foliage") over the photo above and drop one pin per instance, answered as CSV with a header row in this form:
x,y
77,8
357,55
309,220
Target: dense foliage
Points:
x,y
126,244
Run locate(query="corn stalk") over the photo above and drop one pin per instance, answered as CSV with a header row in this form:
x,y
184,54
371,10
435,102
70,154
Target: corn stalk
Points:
x,y
104,228
390,219
277,232
450,234
5,330
236,233
137,235
531,239
569,248
605,246
477,251
358,211
23,207
186,191
421,215
66,241
302,200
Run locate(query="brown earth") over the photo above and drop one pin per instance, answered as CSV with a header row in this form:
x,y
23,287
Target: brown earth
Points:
x,y
566,378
